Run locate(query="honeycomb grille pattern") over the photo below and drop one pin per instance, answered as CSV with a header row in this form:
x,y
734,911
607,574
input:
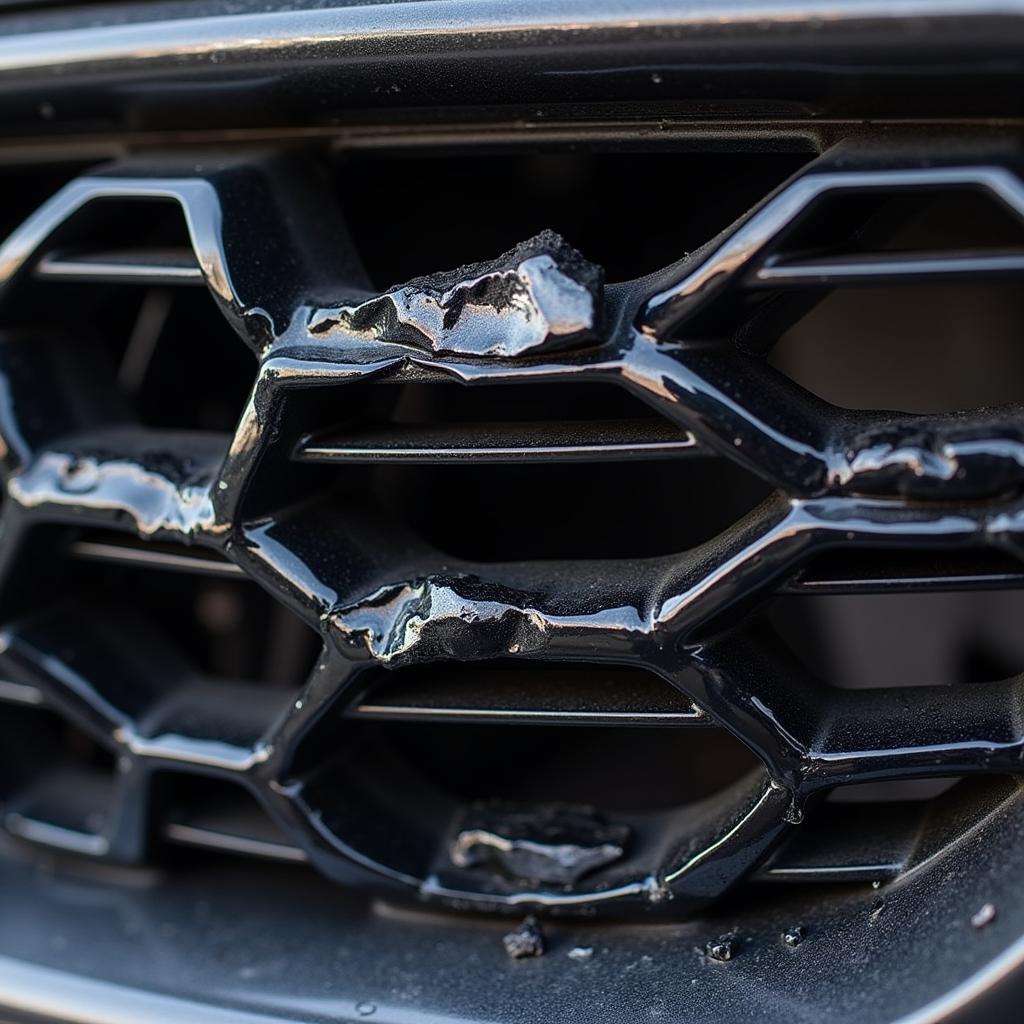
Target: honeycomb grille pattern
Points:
x,y
690,342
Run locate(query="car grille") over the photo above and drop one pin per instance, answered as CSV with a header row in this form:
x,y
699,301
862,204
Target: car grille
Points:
x,y
480,593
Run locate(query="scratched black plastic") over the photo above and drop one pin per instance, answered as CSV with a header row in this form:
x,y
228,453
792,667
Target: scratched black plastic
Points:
x,y
685,341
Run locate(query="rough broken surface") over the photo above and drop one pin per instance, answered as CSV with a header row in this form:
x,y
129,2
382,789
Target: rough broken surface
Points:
x,y
526,940
548,844
157,491
450,616
541,296
953,456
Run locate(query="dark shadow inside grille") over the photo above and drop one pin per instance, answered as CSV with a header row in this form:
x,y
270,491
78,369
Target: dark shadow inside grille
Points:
x,y
361,411
916,348
431,403
25,189
504,513
392,786
122,226
176,360
426,453
57,783
945,219
226,628
876,832
925,347
183,365
850,570
910,639
903,791
214,814
466,207
581,765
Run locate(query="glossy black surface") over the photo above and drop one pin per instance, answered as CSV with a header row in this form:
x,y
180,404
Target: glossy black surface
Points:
x,y
138,67
689,341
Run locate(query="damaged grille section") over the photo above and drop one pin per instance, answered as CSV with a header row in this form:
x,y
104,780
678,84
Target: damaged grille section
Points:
x,y
689,342
540,297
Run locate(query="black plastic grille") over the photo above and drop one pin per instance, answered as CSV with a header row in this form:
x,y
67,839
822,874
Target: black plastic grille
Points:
x,y
672,641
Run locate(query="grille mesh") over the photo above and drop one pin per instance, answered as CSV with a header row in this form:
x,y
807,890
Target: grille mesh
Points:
x,y
259,505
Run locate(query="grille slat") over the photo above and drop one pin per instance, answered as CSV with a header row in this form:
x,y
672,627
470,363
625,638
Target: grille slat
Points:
x,y
921,732
608,697
134,266
150,556
874,573
244,839
64,809
887,268
498,443
19,693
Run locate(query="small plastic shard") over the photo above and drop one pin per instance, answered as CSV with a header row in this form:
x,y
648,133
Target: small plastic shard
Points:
x,y
548,844
581,953
721,949
541,296
985,916
525,941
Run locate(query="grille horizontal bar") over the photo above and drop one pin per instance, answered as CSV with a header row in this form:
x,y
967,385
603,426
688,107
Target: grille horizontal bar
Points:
x,y
19,693
125,551
532,441
231,826
888,268
542,697
132,266
867,572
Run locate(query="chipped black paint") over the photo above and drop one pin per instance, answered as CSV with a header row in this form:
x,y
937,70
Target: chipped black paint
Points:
x,y
542,845
162,491
541,296
525,941
844,480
